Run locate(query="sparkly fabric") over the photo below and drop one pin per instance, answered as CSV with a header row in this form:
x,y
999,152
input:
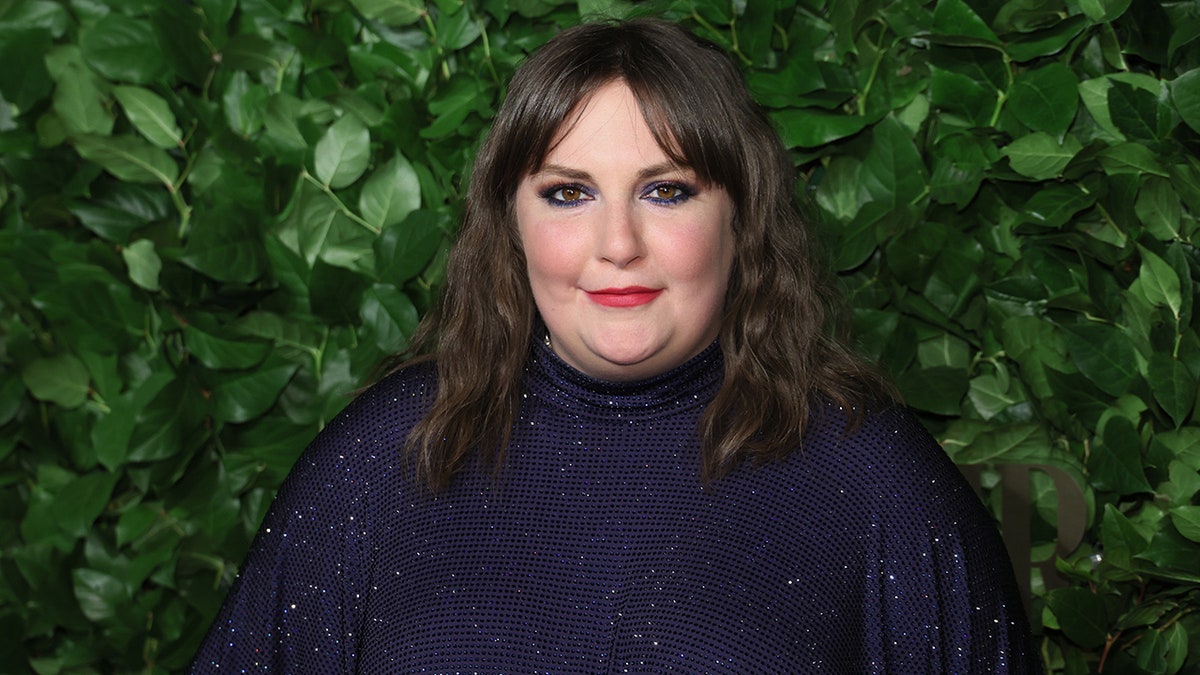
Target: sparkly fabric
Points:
x,y
598,550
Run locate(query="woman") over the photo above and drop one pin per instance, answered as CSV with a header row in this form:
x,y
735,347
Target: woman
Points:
x,y
634,447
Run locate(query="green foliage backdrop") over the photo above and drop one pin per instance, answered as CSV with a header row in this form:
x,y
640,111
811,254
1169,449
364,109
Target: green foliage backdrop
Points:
x,y
217,215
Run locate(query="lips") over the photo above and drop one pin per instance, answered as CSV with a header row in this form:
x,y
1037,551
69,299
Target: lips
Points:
x,y
629,296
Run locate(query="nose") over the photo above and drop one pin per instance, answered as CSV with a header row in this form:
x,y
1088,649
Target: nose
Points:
x,y
620,235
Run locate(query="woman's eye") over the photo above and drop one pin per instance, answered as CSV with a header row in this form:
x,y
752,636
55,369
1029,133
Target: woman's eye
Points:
x,y
565,195
668,193
569,194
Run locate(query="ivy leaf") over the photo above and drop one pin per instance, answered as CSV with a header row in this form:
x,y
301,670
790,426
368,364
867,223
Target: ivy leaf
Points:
x,y
1176,641
100,594
143,263
309,217
24,86
1159,209
857,240
1115,462
253,53
893,171
224,354
245,104
1174,555
130,158
62,380
1146,614
391,12
390,316
990,395
1081,614
117,212
1138,113
938,390
810,128
283,137
403,249
335,293
113,433
80,502
78,100
955,278
1039,156
1185,94
135,522
226,244
243,395
452,105
968,82
342,154
1135,158
956,20
1104,355
1184,483
122,48
390,193
1046,99
1173,385
971,442
1095,94
1103,11
457,30
1122,540
839,192
1159,282
1187,520
151,115
1027,46
1177,258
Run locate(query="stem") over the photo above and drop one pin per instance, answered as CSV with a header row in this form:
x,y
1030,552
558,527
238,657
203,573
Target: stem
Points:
x,y
716,37
919,197
1108,645
185,212
341,206
782,36
319,354
280,70
1002,97
487,53
429,24
879,52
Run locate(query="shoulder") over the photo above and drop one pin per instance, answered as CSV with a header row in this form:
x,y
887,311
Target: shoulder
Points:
x,y
406,390
888,433
391,405
884,451
372,428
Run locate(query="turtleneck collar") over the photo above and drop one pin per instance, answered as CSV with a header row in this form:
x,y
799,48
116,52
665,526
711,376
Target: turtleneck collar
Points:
x,y
691,384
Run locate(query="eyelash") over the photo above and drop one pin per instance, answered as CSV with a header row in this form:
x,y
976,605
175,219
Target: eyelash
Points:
x,y
683,193
550,194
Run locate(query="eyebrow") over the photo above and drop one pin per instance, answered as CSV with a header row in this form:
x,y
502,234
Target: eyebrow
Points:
x,y
580,175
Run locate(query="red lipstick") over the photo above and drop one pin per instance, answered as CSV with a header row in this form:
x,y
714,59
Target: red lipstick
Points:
x,y
629,296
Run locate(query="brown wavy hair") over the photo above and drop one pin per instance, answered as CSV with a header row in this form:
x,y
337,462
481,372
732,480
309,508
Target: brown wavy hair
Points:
x,y
780,353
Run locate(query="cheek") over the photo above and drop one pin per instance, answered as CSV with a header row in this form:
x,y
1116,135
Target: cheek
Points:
x,y
705,259
547,257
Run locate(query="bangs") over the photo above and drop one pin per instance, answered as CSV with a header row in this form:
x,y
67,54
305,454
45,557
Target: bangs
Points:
x,y
691,98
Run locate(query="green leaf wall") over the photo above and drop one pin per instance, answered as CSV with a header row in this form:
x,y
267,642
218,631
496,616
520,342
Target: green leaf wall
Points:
x,y
217,216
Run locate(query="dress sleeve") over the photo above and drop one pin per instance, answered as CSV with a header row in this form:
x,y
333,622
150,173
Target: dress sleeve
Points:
x,y
297,602
941,585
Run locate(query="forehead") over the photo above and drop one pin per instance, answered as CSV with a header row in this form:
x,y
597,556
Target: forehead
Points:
x,y
606,126
610,123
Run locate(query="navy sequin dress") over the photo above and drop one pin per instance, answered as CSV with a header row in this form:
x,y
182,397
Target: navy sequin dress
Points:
x,y
598,549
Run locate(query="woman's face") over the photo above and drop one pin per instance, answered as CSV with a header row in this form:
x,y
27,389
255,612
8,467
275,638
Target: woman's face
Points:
x,y
628,255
